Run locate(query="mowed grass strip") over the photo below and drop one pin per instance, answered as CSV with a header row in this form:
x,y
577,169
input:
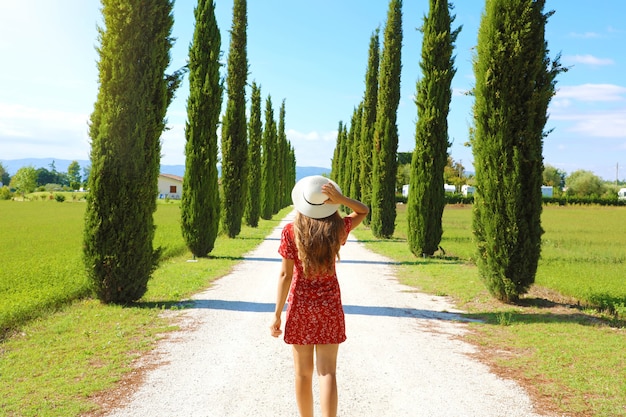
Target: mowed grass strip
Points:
x,y
60,360
41,268
571,360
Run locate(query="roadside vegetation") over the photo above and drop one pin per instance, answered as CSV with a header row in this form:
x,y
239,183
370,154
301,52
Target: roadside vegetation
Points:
x,y
564,340
62,351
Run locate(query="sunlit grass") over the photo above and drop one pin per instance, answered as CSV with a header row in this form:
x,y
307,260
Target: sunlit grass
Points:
x,y
57,359
571,361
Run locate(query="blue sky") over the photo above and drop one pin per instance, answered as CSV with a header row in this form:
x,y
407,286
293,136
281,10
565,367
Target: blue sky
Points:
x,y
312,54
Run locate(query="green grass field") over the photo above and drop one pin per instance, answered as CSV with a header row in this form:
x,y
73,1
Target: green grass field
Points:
x,y
569,358
63,349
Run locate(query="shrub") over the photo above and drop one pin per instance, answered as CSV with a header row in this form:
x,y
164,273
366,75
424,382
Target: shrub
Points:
x,y
5,193
59,198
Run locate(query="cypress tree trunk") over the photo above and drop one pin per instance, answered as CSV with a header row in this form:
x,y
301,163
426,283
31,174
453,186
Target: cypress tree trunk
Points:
x,y
200,203
515,81
234,127
368,123
255,132
268,171
386,130
125,128
426,194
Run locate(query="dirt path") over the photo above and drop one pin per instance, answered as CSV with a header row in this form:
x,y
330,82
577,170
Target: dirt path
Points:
x,y
402,357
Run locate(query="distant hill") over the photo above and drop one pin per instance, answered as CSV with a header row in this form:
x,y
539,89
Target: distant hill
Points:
x,y
12,165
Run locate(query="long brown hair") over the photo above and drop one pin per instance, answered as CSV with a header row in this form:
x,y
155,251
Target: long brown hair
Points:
x,y
318,242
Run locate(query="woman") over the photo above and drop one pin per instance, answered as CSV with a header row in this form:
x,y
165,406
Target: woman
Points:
x,y
315,320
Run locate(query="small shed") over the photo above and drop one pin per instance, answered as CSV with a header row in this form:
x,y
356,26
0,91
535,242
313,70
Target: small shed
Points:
x,y
547,191
467,190
170,186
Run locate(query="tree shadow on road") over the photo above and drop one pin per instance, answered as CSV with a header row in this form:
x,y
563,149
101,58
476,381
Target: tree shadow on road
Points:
x,y
362,310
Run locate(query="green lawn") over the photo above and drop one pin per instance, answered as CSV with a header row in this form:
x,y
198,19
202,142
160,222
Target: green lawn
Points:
x,y
65,349
571,360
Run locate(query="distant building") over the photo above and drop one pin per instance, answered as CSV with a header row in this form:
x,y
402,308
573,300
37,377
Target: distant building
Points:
x,y
547,191
467,190
170,186
621,194
446,187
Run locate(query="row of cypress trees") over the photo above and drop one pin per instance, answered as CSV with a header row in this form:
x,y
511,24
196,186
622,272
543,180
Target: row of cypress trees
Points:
x,y
125,130
515,81
365,158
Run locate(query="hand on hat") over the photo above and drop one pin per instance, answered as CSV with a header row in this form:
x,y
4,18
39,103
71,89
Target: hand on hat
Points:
x,y
334,195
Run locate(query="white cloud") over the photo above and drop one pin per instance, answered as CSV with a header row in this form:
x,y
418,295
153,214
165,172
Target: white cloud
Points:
x,y
313,148
587,60
585,35
24,121
591,92
606,124
31,132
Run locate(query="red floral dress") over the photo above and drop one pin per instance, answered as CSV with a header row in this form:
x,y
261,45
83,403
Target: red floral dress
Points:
x,y
314,311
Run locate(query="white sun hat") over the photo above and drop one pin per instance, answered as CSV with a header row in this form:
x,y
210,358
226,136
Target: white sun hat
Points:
x,y
308,198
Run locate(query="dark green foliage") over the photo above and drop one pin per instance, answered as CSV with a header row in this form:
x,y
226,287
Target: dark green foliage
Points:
x,y
5,178
268,162
342,144
368,122
234,126
346,176
73,175
515,82
355,155
386,130
426,193
255,133
125,128
200,203
284,188
336,162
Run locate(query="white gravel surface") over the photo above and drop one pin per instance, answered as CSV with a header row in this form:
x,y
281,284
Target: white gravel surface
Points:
x,y
402,357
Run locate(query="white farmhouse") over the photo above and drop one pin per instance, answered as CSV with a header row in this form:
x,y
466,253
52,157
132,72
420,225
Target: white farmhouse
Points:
x,y
621,194
170,186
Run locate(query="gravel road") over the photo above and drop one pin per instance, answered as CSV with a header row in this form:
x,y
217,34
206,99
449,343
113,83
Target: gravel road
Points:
x,y
403,357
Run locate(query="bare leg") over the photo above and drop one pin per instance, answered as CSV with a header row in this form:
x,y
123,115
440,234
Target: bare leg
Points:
x,y
303,365
326,356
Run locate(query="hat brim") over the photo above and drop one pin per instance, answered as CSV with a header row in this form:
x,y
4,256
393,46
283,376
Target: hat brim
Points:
x,y
300,203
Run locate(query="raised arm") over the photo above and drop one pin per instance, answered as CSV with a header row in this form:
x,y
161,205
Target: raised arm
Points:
x,y
359,210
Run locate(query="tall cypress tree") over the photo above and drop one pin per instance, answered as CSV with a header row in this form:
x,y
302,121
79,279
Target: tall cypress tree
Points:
x,y
426,196
284,191
255,133
355,179
347,158
336,162
125,130
268,172
234,126
386,130
280,161
515,81
368,122
200,202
